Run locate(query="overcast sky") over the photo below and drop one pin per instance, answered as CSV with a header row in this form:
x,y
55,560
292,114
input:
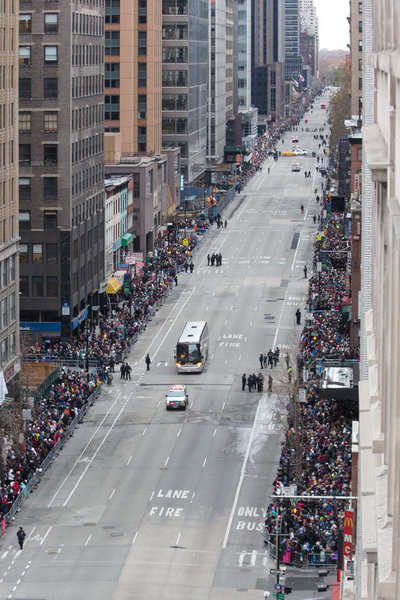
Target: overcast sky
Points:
x,y
333,25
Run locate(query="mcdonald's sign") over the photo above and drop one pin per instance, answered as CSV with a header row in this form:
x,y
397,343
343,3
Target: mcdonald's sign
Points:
x,y
348,534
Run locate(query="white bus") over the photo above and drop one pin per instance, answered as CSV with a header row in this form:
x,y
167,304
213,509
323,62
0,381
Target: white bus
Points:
x,y
191,350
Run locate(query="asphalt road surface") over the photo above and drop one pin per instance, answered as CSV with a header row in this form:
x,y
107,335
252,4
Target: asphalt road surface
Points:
x,y
148,504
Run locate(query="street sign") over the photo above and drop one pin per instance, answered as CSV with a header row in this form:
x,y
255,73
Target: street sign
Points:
x,y
279,596
278,587
277,572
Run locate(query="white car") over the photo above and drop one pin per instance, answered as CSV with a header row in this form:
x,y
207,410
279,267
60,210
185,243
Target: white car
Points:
x,y
299,152
296,167
177,397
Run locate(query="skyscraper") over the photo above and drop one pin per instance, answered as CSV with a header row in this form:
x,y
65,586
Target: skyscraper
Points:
x,y
185,43
9,297
61,184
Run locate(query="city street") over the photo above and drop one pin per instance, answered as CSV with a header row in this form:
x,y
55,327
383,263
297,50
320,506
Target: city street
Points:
x,y
148,504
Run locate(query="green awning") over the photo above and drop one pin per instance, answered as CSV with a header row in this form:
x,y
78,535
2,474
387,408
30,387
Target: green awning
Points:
x,y
126,239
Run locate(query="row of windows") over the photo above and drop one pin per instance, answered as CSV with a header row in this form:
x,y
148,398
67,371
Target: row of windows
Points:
x,y
7,76
50,55
172,126
49,123
8,348
35,253
88,116
35,286
7,271
174,54
88,85
50,23
86,179
86,54
50,88
86,148
50,220
174,78
49,190
7,311
87,24
49,156
84,211
174,102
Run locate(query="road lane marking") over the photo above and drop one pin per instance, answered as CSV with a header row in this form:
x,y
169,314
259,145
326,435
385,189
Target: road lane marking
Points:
x,y
84,450
144,430
204,463
112,494
166,462
46,534
134,539
177,541
241,478
151,497
215,431
87,541
129,459
179,433
103,441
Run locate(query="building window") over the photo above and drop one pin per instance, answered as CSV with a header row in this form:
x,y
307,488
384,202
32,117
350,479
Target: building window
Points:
x,y
360,8
360,64
142,43
359,154
142,106
24,89
12,307
360,27
4,313
51,253
50,187
111,75
37,253
50,220
181,102
50,121
24,54
24,121
25,23
136,185
111,107
142,12
360,45
50,55
24,286
24,188
51,23
3,274
360,83
112,12
149,182
111,44
50,154
142,74
50,88
37,286
13,348
4,351
24,155
181,126
24,219
23,253
52,286
11,267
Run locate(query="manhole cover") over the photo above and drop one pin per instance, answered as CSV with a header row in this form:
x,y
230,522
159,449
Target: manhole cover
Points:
x,y
52,553
108,527
89,524
116,534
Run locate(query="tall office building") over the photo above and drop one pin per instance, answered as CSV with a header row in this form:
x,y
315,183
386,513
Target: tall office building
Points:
x,y
293,62
356,51
133,75
309,37
61,184
244,54
267,56
185,44
9,297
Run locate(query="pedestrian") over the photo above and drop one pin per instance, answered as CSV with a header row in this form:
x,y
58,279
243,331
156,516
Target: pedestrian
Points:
x,y
191,267
176,278
208,260
276,357
244,381
122,370
261,359
111,364
315,191
186,266
128,370
317,199
268,170
109,377
271,358
289,373
287,360
298,316
250,382
21,535
270,381
309,173
314,219
225,224
147,360
212,259
3,525
260,383
305,271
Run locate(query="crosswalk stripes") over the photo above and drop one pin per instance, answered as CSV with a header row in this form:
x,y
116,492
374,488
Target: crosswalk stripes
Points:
x,y
253,558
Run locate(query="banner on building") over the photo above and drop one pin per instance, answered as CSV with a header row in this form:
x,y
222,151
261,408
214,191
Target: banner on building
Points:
x,y
348,534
